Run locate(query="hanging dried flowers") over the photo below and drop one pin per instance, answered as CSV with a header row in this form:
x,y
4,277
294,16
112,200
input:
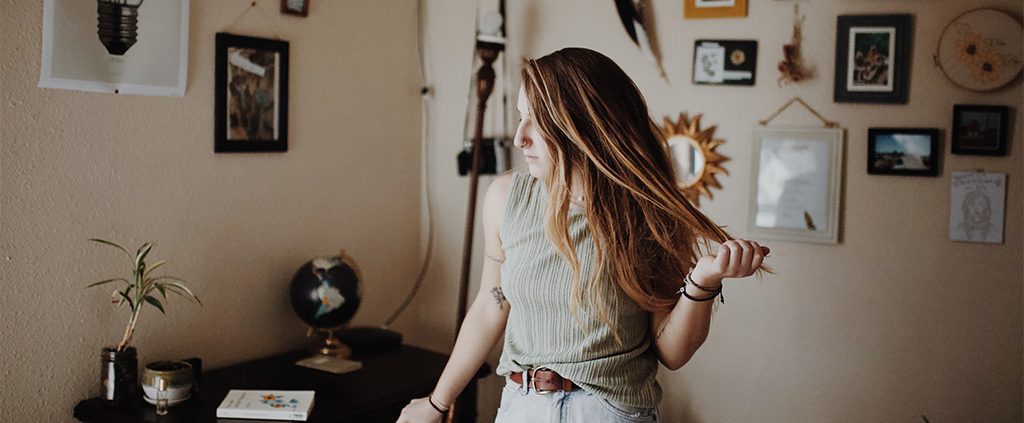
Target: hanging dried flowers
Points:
x,y
792,65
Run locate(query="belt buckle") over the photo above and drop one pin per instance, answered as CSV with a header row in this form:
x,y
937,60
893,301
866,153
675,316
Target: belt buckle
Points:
x,y
533,381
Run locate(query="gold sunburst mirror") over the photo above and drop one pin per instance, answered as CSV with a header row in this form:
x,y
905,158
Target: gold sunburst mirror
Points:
x,y
693,156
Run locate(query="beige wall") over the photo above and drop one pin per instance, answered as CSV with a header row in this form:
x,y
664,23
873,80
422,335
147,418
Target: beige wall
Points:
x,y
893,323
78,165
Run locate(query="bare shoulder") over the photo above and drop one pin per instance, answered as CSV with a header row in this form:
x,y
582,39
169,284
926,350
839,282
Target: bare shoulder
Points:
x,y
497,193
497,198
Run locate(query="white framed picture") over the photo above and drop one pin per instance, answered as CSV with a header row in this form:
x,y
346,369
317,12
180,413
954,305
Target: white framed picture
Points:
x,y
134,47
795,184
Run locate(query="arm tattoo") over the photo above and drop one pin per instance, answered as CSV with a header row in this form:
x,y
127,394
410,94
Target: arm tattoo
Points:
x,y
498,296
662,329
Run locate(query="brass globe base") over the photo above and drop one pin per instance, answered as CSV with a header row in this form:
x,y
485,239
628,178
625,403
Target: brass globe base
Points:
x,y
331,346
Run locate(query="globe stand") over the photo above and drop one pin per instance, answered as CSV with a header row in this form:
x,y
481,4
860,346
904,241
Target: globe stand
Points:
x,y
331,346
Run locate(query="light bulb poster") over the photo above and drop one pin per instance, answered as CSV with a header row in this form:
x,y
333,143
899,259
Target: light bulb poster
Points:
x,y
115,46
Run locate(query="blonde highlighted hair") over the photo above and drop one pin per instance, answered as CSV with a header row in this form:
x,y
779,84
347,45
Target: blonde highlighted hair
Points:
x,y
603,142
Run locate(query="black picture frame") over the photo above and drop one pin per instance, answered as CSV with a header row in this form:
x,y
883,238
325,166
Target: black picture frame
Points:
x,y
289,7
251,94
980,130
903,151
724,62
866,48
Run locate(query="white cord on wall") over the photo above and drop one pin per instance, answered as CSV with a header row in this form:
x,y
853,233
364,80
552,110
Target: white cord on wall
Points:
x,y
426,93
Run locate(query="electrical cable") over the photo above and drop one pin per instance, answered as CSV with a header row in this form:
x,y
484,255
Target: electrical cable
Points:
x,y
425,93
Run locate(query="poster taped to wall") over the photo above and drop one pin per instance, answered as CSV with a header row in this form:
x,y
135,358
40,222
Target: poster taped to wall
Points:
x,y
977,203
124,47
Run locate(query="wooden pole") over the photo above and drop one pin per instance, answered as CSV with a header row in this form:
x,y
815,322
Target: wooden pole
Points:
x,y
484,87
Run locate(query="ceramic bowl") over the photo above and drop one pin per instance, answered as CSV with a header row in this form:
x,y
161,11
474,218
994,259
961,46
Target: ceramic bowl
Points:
x,y
178,375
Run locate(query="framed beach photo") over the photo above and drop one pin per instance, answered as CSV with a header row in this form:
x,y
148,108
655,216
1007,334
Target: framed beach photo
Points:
x,y
251,97
980,130
795,184
872,58
903,151
702,9
295,7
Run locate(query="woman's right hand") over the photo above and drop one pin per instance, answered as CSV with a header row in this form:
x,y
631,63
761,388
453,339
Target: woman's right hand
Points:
x,y
419,410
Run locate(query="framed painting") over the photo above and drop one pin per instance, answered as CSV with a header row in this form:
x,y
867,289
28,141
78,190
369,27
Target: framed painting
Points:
x,y
251,98
980,130
872,58
702,9
795,184
295,7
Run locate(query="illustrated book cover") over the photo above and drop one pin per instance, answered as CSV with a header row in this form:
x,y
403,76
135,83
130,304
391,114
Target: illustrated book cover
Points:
x,y
266,404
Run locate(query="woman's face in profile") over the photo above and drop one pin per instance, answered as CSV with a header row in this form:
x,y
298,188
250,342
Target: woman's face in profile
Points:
x,y
529,139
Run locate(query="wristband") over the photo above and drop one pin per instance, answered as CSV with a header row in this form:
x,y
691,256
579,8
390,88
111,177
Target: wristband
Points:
x,y
688,280
430,399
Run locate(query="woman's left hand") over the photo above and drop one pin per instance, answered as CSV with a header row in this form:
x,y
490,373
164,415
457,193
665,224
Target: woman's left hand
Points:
x,y
737,258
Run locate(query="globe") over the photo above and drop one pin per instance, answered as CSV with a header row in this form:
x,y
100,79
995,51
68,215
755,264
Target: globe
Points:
x,y
325,293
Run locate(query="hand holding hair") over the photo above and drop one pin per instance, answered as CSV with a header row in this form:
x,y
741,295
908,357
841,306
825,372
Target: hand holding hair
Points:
x,y
736,258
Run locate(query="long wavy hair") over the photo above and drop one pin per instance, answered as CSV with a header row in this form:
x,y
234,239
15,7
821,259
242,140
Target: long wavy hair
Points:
x,y
603,143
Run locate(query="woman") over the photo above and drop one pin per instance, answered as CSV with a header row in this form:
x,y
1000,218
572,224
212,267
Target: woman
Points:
x,y
587,257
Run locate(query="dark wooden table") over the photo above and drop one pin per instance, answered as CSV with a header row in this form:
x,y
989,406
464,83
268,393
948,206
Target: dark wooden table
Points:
x,y
375,393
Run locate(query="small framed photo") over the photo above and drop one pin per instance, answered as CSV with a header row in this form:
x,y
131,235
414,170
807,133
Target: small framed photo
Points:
x,y
702,9
795,184
980,130
903,151
724,62
251,99
872,58
295,7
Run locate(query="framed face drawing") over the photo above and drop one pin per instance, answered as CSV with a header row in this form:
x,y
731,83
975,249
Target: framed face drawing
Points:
x,y
977,207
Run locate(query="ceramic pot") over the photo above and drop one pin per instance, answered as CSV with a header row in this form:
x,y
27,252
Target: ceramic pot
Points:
x,y
119,375
179,376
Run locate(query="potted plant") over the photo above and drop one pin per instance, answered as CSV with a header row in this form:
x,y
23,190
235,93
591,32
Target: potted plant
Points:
x,y
119,372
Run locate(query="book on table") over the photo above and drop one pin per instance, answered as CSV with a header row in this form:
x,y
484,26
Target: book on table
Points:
x,y
266,404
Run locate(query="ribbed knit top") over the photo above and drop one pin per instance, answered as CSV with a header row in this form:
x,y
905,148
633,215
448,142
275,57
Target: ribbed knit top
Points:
x,y
542,331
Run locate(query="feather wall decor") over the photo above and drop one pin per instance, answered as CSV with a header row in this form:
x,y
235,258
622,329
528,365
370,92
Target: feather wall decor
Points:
x,y
632,14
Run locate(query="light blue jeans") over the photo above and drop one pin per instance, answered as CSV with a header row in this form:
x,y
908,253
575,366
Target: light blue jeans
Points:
x,y
519,404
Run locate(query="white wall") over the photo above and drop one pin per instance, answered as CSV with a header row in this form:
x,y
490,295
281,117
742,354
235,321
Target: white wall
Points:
x,y
77,165
893,323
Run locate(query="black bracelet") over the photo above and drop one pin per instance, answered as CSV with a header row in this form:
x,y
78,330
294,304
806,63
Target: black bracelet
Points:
x,y
687,280
699,300
430,399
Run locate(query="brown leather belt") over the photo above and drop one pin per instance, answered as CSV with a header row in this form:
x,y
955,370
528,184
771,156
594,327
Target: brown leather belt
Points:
x,y
543,381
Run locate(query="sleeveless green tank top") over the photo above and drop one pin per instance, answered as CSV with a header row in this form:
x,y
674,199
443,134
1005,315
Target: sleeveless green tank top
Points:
x,y
542,331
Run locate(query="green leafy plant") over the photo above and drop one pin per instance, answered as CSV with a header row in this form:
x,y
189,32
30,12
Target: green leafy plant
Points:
x,y
142,288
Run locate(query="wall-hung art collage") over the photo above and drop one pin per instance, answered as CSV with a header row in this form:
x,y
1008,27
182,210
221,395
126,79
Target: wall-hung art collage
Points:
x,y
797,171
141,47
